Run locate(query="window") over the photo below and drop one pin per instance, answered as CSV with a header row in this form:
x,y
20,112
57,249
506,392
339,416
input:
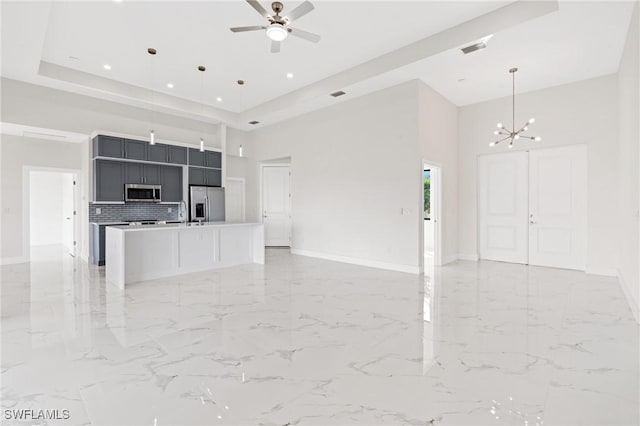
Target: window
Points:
x,y
427,194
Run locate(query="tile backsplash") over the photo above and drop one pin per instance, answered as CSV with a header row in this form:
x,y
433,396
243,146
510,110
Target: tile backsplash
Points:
x,y
133,211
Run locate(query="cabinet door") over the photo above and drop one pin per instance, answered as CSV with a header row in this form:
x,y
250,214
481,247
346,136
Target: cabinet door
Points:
x,y
108,146
109,180
135,150
134,173
177,154
213,159
157,152
213,177
197,176
171,184
152,174
196,158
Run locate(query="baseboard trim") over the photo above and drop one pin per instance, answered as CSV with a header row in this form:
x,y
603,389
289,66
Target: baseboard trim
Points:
x,y
465,256
13,260
607,272
450,258
362,262
635,309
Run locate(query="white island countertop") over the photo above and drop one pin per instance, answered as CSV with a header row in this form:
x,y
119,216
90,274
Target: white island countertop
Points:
x,y
145,252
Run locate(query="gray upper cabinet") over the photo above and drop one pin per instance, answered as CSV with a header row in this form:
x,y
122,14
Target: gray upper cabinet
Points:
x,y
157,152
177,154
142,173
171,181
196,176
202,176
133,173
196,157
109,180
135,150
152,174
213,177
213,159
108,146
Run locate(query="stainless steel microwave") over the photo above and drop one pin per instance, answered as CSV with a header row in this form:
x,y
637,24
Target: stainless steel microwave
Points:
x,y
145,193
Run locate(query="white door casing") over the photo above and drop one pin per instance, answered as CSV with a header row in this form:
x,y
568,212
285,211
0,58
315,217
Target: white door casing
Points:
x,y
503,207
234,200
558,206
276,205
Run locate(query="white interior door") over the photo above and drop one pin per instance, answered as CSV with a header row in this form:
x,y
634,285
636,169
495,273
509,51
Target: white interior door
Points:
x,y
276,205
234,202
503,207
68,212
558,207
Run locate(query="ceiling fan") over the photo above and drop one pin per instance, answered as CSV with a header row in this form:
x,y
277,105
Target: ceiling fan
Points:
x,y
278,27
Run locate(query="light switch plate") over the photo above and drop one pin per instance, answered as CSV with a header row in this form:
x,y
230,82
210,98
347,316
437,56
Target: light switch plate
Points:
x,y
98,210
169,209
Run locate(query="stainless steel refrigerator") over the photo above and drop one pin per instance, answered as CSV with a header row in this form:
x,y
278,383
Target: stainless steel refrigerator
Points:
x,y
206,204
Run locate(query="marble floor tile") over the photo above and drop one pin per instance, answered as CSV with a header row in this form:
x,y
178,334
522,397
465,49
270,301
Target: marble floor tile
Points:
x,y
308,341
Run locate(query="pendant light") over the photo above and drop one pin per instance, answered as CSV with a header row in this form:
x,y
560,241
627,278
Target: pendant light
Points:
x,y
151,51
514,134
202,69
240,151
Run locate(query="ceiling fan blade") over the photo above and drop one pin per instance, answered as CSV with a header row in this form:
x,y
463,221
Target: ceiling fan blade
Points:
x,y
258,7
300,11
314,38
275,47
242,29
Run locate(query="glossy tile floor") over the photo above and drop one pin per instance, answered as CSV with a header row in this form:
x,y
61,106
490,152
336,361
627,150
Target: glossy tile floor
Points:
x,y
308,341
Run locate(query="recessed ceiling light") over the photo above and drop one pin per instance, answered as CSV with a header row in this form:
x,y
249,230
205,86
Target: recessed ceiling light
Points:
x,y
289,75
170,85
254,122
338,93
240,82
219,99
107,67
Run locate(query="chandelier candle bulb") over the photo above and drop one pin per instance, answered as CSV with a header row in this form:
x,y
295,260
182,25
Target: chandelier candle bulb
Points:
x,y
201,145
152,138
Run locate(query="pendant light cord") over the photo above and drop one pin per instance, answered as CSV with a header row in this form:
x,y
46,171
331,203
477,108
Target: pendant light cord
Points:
x,y
513,102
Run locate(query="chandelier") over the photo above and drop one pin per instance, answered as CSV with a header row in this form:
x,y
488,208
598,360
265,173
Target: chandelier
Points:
x,y
514,134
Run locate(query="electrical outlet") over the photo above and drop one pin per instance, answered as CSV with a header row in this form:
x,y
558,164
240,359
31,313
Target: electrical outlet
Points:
x,y
169,209
98,210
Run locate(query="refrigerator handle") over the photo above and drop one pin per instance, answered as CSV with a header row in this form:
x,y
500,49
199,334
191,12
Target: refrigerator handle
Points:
x,y
208,211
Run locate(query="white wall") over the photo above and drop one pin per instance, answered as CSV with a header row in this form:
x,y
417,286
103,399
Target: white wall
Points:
x,y
629,163
585,112
18,153
438,127
46,208
354,167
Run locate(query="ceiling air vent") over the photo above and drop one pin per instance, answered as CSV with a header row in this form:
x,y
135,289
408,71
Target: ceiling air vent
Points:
x,y
338,93
254,122
472,48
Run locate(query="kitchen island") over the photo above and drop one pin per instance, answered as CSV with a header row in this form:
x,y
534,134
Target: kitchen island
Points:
x,y
146,252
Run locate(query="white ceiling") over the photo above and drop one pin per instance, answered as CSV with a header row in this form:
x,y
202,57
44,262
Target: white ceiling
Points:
x,y
580,40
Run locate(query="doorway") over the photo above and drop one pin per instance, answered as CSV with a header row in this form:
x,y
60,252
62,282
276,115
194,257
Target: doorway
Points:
x,y
532,207
275,204
431,231
52,212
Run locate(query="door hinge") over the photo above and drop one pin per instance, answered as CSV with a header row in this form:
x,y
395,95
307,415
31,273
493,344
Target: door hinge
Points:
x,y
74,243
74,182
75,212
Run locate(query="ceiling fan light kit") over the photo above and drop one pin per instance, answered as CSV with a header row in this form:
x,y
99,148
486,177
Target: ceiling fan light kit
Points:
x,y
278,26
513,135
